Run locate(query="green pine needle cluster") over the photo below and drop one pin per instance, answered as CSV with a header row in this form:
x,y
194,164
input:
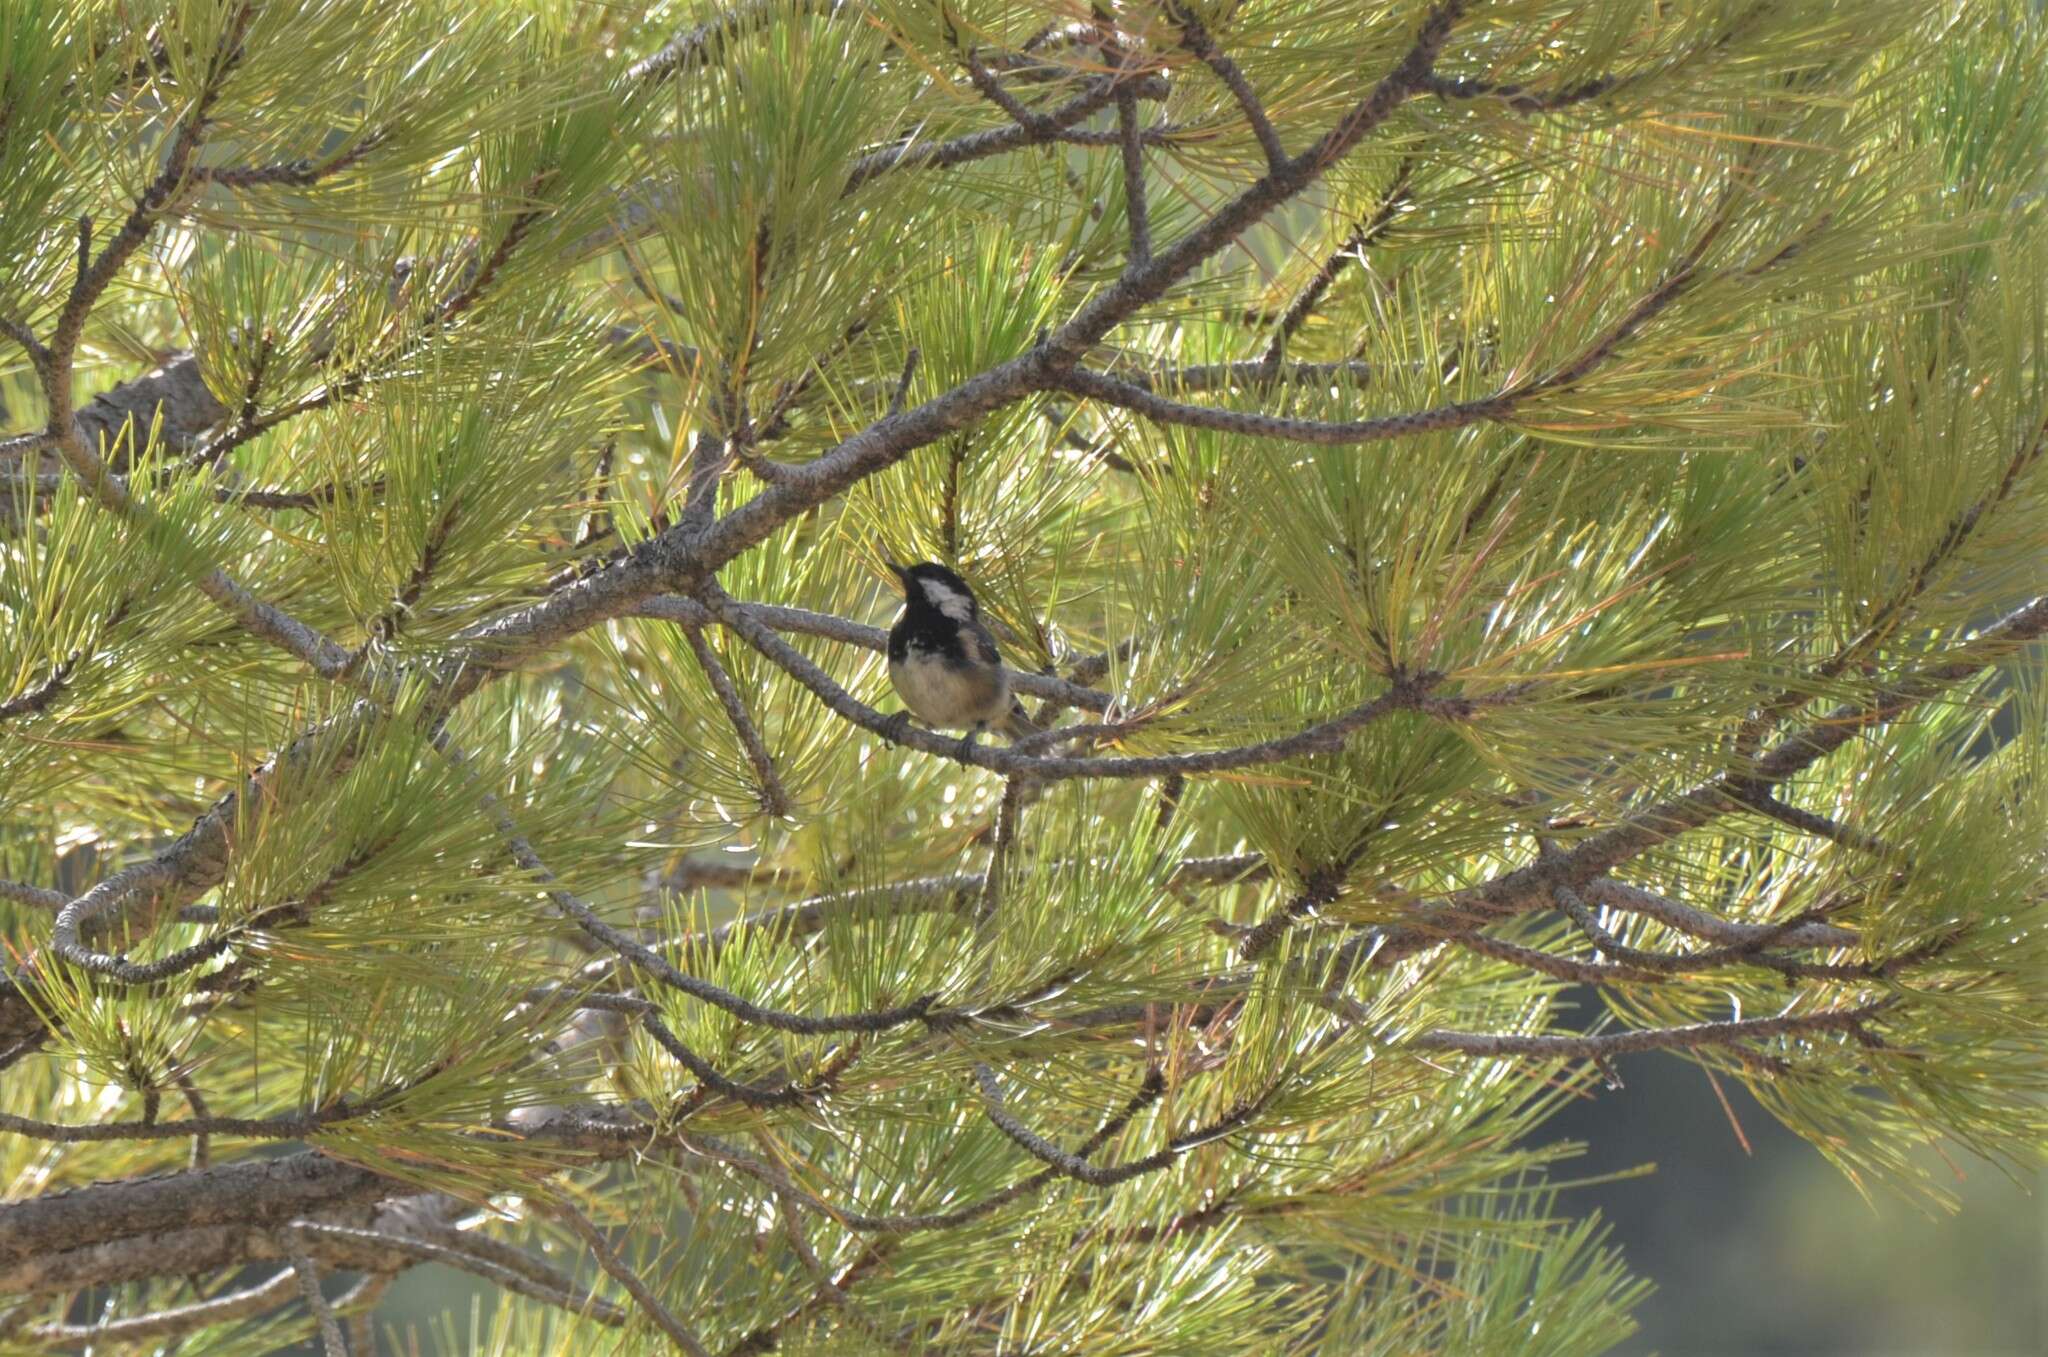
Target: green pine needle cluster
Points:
x,y
1522,524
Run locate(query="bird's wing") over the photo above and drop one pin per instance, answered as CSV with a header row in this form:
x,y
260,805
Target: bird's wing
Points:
x,y
979,643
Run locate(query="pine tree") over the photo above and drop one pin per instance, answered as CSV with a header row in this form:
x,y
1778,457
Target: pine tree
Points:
x,y
1522,524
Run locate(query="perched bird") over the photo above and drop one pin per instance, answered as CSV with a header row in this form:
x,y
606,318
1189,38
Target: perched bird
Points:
x,y
943,660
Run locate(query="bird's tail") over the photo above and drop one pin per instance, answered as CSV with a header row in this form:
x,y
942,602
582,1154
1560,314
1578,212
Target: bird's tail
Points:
x,y
1016,725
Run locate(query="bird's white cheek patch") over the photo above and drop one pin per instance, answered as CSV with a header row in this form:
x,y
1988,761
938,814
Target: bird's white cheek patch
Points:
x,y
948,600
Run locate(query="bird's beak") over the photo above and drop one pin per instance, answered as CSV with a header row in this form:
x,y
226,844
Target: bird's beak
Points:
x,y
902,571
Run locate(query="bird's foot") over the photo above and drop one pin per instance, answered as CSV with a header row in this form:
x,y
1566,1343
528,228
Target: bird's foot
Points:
x,y
894,729
966,743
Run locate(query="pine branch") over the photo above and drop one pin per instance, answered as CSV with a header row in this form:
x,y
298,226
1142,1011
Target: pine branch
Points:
x,y
516,1272
303,172
295,1126
1257,424
649,962
1319,890
828,1289
765,1338
1148,1092
1894,610
750,1095
1096,95
1137,213
164,875
1713,928
699,46
331,1340
689,613
250,1194
1074,1166
36,897
174,397
1406,694
664,1319
1608,1045
1807,822
38,355
1521,100
1030,120
806,918
1251,375
1527,886
1353,247
1195,37
1664,963
202,1142
775,799
385,626
157,200
174,1321
38,696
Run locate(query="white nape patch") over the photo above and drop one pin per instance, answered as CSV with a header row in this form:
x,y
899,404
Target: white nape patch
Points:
x,y
952,602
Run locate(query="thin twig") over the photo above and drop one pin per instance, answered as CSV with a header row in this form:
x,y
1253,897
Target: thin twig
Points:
x,y
527,1277
1322,737
202,1141
1609,1044
1095,95
1821,826
1136,211
1148,1093
752,1095
1073,1166
649,1303
264,1296
793,1230
1195,37
647,960
1353,247
331,1340
1516,97
775,798
902,390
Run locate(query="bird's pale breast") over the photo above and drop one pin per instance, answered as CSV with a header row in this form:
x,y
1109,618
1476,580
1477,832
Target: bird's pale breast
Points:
x,y
948,695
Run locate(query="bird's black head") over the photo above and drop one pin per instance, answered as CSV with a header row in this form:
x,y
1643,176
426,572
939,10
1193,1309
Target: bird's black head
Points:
x,y
930,587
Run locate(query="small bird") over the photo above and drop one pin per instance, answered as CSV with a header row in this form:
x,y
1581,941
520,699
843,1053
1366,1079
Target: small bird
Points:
x,y
943,659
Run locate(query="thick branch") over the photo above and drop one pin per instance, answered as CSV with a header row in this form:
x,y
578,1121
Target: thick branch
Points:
x,y
247,1194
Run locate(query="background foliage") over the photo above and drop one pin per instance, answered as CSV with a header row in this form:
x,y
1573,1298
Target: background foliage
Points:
x,y
1527,520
